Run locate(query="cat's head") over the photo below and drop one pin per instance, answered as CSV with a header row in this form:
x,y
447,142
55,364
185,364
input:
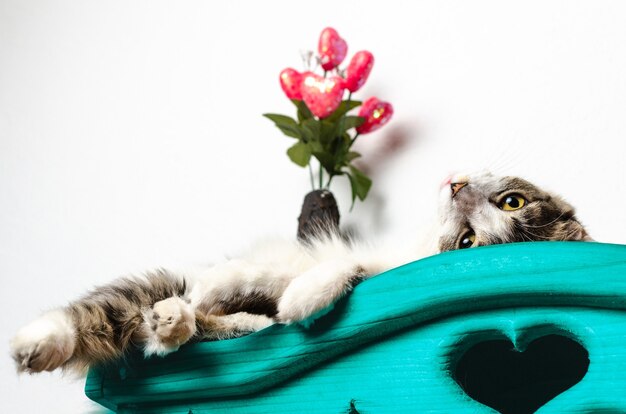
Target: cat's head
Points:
x,y
481,209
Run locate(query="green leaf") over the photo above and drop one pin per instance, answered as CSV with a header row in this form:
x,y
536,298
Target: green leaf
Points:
x,y
327,132
287,125
303,110
339,128
315,146
311,129
339,149
352,155
326,160
343,108
307,135
300,154
281,119
352,122
360,183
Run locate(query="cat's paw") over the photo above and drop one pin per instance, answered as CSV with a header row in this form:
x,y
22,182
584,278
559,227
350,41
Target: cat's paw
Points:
x,y
314,294
44,344
297,307
171,322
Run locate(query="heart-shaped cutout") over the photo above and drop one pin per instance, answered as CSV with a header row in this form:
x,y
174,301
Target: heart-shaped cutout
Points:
x,y
322,95
511,381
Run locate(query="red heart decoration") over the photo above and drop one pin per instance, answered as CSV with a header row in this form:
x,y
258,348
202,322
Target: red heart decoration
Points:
x,y
376,113
358,70
291,82
332,48
322,95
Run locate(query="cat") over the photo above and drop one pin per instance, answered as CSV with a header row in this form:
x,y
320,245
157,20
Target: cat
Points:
x,y
280,282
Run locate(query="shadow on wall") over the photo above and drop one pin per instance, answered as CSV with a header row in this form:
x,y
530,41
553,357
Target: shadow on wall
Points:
x,y
378,154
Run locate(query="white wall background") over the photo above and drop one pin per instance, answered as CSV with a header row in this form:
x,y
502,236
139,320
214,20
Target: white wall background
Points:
x,y
131,133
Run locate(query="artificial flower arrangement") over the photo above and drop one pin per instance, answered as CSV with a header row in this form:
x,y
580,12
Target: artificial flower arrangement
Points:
x,y
324,129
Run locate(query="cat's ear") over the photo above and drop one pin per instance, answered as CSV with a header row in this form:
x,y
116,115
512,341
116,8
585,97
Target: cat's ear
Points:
x,y
572,230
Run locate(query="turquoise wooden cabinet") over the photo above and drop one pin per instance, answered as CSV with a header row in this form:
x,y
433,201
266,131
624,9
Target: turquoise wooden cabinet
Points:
x,y
512,328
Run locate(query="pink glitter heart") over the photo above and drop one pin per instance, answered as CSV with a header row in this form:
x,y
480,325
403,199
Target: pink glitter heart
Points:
x,y
322,95
376,113
332,48
291,82
358,70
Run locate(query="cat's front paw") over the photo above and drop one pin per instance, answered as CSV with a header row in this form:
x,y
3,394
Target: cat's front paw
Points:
x,y
45,344
297,308
171,322
313,294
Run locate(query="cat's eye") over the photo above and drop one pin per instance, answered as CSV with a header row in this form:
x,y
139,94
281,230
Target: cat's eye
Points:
x,y
467,240
512,202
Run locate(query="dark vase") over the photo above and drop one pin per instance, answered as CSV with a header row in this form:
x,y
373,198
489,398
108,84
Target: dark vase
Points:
x,y
319,215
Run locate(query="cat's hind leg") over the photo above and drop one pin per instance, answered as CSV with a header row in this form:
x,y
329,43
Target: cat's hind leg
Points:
x,y
44,344
50,341
311,294
137,311
216,327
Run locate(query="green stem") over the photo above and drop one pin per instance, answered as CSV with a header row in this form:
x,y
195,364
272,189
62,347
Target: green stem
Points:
x,y
329,180
321,177
353,139
311,176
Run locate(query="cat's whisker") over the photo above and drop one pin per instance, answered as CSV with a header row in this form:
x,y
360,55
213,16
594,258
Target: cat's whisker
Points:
x,y
538,236
495,163
571,234
501,162
525,237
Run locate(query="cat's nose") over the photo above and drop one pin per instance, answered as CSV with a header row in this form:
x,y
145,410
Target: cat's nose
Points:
x,y
457,186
